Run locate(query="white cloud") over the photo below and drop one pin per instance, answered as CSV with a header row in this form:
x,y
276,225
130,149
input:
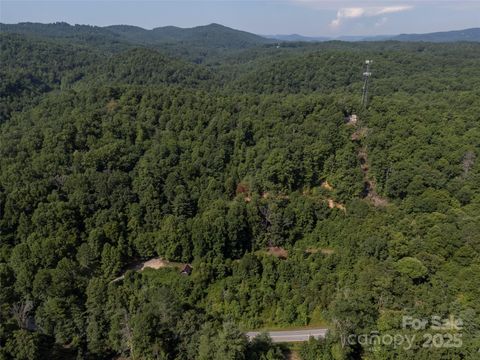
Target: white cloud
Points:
x,y
358,12
350,12
391,9
381,22
335,23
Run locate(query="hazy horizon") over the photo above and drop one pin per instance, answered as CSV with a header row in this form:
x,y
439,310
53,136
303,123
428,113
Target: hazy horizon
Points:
x,y
303,17
264,35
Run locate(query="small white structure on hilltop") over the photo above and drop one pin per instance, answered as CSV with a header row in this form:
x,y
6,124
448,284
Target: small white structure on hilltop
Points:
x,y
351,119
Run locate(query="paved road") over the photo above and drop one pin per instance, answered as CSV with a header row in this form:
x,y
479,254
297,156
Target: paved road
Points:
x,y
291,335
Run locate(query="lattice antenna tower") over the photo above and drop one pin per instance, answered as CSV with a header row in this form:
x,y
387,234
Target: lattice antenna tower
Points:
x,y
366,76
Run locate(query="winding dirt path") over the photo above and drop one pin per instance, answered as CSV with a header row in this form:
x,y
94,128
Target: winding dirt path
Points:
x,y
369,183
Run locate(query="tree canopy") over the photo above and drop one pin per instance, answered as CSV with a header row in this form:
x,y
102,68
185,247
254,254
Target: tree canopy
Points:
x,y
238,162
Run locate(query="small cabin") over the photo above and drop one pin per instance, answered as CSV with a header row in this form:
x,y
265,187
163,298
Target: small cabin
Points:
x,y
187,270
351,119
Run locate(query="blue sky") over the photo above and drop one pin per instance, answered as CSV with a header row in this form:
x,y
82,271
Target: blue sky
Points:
x,y
307,17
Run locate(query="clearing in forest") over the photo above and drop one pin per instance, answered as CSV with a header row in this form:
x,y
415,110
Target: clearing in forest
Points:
x,y
324,251
154,263
370,185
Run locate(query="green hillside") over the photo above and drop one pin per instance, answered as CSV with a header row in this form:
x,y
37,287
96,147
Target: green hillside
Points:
x,y
209,36
242,160
445,36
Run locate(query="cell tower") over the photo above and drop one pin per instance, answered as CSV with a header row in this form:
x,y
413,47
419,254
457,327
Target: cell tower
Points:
x,y
366,76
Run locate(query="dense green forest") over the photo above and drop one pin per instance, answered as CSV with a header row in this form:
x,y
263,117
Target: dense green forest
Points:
x,y
117,147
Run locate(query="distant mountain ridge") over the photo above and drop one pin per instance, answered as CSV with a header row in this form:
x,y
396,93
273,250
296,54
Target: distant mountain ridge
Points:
x,y
297,37
472,34
212,35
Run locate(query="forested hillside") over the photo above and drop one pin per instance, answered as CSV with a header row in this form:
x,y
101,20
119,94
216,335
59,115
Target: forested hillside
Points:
x,y
445,36
31,68
195,43
240,163
207,36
